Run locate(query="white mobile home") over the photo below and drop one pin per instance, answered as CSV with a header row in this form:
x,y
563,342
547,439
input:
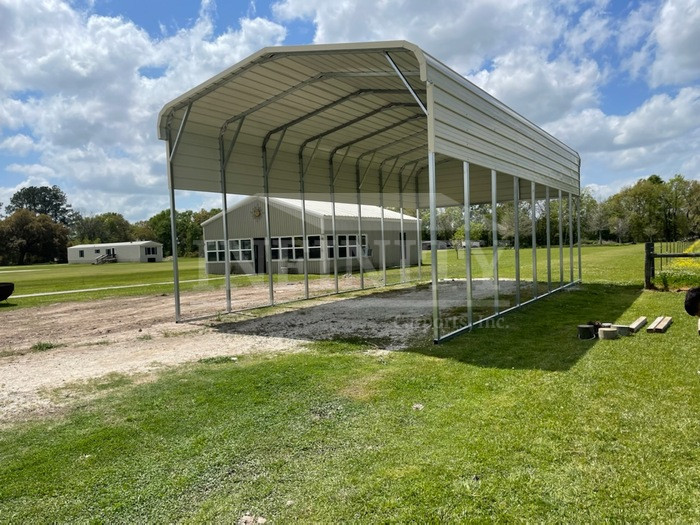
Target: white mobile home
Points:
x,y
247,223
137,251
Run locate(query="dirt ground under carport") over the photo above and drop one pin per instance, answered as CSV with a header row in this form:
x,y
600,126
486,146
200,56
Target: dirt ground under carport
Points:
x,y
137,336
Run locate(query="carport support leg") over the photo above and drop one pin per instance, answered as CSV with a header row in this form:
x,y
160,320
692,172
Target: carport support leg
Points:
x,y
402,243
359,227
224,207
571,240
173,234
467,243
419,236
533,213
578,234
494,237
561,240
549,240
433,244
516,235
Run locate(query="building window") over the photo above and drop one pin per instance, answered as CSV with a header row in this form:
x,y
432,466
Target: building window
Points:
x,y
347,246
97,251
314,242
151,250
81,253
216,251
291,248
241,249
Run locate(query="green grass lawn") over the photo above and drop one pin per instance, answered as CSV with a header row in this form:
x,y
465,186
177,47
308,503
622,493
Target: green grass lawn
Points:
x,y
519,421
618,264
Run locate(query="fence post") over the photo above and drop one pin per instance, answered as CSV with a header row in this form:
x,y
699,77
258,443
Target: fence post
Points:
x,y
648,264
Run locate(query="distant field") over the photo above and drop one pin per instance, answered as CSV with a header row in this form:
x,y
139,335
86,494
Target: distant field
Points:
x,y
601,264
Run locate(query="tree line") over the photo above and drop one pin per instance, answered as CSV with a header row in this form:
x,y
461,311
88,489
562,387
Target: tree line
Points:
x,y
38,225
650,210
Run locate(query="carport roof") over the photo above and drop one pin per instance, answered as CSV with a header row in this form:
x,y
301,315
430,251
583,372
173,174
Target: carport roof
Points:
x,y
368,113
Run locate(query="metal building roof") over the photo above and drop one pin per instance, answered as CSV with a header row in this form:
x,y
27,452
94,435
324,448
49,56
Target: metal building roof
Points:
x,y
354,115
319,209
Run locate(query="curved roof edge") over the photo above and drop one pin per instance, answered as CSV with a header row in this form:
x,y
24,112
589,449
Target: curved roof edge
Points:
x,y
270,53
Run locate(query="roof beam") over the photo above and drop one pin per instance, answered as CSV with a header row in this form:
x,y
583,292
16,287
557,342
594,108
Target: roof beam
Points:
x,y
405,82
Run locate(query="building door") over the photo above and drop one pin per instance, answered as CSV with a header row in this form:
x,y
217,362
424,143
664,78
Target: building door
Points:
x,y
259,255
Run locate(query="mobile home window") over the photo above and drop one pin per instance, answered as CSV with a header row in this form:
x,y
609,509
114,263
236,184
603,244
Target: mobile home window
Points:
x,y
81,253
151,250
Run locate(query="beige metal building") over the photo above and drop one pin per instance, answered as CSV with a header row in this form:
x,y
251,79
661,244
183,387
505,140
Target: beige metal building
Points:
x,y
136,251
247,235
381,123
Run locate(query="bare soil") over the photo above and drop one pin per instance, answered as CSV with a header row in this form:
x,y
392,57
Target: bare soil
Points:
x,y
137,336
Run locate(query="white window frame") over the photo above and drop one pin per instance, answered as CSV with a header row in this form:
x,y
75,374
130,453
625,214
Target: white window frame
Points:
x,y
345,249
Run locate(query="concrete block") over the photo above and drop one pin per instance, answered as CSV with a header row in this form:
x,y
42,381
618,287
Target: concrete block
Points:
x,y
608,333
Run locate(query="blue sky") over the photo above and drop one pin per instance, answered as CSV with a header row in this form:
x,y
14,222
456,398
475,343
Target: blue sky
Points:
x,y
81,82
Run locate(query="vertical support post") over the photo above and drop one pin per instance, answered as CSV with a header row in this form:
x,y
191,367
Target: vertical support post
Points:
x,y
578,235
419,233
305,241
302,193
533,214
648,265
432,190
494,236
402,240
561,240
381,225
224,207
516,235
467,243
358,193
571,240
331,178
173,231
549,240
268,229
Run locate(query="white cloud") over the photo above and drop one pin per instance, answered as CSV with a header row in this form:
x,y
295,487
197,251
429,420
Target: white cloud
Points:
x,y
464,35
677,35
19,144
590,32
76,81
636,27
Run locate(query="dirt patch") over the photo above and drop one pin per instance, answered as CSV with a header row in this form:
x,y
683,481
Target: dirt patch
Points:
x,y
52,347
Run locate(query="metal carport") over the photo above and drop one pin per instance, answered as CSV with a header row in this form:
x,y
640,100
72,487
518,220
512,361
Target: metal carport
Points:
x,y
379,123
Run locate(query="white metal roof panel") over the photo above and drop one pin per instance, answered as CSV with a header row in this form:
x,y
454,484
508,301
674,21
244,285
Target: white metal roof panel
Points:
x,y
296,106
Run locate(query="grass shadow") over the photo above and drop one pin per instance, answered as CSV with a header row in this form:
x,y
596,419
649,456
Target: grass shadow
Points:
x,y
542,335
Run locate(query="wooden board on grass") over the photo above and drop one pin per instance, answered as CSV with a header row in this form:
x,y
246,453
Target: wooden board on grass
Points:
x,y
652,327
637,325
663,325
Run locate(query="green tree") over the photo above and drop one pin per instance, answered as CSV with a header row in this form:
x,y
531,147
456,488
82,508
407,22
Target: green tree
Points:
x,y
106,227
189,230
45,200
32,238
